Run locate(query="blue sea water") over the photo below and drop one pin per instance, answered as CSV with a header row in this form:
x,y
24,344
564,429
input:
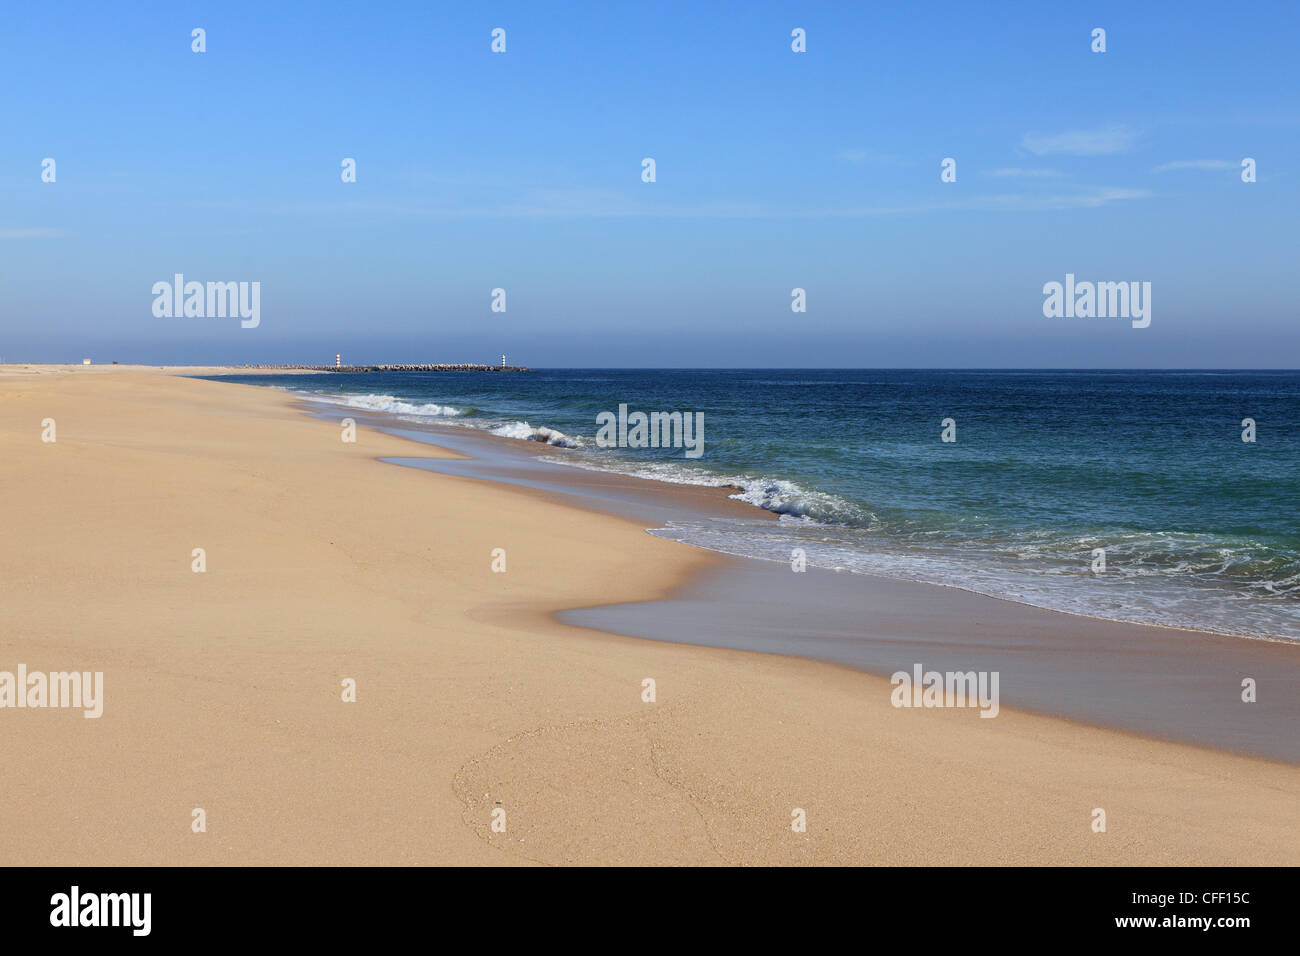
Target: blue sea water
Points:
x,y
1200,529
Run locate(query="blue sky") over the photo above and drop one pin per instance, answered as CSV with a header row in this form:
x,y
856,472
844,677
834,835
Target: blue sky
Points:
x,y
775,170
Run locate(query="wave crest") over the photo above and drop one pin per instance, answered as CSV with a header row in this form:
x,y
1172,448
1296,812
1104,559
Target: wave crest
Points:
x,y
526,432
391,404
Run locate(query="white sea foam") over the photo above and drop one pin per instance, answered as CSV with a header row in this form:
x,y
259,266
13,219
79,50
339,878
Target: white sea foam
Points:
x,y
786,498
1162,600
790,499
526,432
390,404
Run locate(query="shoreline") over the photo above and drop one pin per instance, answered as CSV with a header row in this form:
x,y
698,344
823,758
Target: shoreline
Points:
x,y
1133,607
1070,666
476,698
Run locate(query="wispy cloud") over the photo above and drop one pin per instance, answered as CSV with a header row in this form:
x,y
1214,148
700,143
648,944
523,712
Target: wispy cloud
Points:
x,y
1096,142
610,204
1089,198
40,233
1085,199
860,156
576,203
1024,173
1008,202
603,203
1198,164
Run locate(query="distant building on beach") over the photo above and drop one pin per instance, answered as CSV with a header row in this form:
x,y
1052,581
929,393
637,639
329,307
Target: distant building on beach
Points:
x,y
85,361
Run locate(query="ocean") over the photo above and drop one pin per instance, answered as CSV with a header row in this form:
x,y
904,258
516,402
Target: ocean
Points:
x,y
1199,528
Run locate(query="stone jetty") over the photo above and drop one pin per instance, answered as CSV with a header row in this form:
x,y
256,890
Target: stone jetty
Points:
x,y
393,368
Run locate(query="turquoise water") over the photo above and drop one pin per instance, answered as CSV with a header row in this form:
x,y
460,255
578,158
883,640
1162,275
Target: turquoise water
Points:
x,y
1199,528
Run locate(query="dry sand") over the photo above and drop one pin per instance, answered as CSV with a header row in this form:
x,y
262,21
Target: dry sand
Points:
x,y
223,689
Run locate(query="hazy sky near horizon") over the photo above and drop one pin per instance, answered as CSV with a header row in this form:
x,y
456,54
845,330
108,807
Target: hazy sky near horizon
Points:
x,y
523,170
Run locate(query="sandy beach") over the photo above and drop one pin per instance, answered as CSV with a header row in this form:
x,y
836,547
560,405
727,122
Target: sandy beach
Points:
x,y
223,690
